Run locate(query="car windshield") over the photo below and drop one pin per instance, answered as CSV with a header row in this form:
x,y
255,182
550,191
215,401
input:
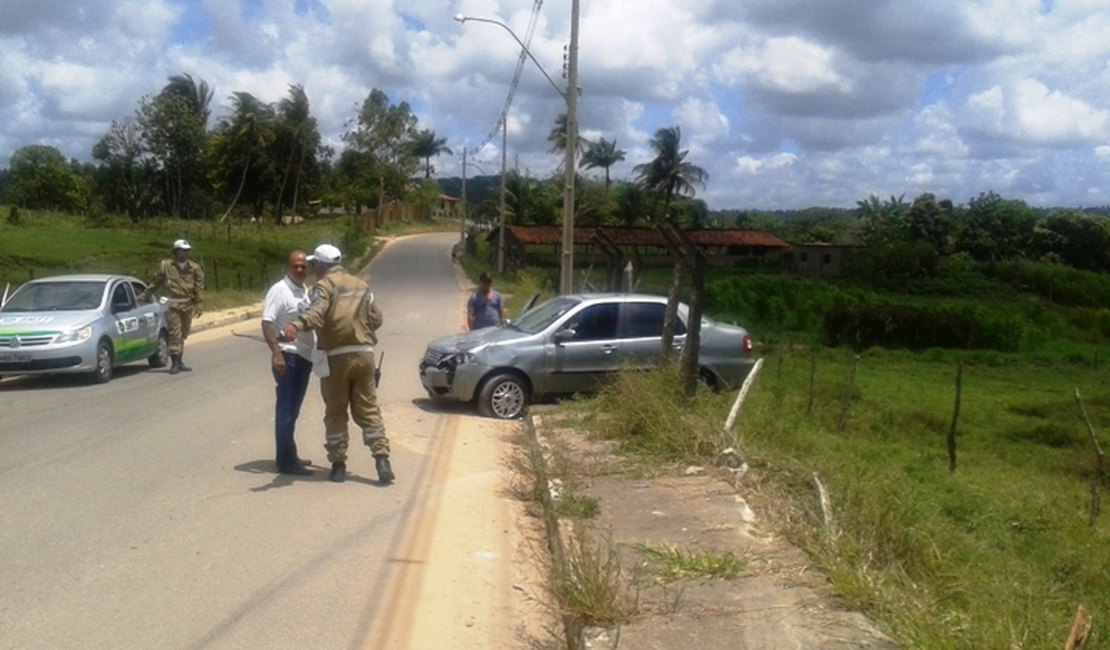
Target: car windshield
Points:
x,y
75,295
543,316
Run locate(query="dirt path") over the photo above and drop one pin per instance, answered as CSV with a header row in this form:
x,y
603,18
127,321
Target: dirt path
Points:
x,y
467,577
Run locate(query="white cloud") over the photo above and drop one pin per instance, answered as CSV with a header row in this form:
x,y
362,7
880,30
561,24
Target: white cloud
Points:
x,y
825,101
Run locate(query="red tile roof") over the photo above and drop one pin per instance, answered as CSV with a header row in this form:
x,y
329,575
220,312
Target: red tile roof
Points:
x,y
539,235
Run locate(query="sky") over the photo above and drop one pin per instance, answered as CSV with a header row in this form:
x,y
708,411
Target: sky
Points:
x,y
785,103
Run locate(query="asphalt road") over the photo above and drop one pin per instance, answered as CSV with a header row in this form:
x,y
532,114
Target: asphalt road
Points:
x,y
145,513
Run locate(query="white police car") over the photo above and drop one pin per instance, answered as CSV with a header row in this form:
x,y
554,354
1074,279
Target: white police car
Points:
x,y
80,324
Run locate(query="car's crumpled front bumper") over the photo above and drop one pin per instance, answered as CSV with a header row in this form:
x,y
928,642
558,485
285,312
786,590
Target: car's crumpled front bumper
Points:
x,y
450,376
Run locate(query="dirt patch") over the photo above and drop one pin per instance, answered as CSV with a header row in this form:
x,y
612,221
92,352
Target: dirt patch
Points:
x,y
777,601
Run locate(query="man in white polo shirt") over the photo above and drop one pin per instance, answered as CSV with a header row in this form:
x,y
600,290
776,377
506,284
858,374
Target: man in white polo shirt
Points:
x,y
291,360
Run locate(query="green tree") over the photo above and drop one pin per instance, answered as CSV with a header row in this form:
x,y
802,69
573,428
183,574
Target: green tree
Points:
x,y
931,221
558,137
633,205
124,178
882,221
294,146
1075,238
379,145
995,228
174,136
426,145
42,179
196,94
668,175
240,152
602,153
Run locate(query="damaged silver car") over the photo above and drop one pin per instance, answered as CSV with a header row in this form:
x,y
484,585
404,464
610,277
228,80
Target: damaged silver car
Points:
x,y
571,344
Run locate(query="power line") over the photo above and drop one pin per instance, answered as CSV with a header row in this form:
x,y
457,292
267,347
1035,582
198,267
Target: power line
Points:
x,y
533,19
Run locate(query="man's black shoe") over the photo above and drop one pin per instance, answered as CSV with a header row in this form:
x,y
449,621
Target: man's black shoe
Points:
x,y
175,366
338,472
385,472
296,470
304,462
182,367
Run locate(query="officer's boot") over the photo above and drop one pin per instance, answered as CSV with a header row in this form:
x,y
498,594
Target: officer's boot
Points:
x,y
338,472
181,364
385,472
175,365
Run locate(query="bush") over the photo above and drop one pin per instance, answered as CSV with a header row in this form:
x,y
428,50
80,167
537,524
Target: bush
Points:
x,y
13,216
920,328
1059,284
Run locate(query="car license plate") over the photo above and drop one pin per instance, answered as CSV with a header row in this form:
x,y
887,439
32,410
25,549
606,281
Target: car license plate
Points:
x,y
14,357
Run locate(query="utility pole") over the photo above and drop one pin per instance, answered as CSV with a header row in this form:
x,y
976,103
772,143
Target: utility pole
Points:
x,y
501,227
566,267
462,212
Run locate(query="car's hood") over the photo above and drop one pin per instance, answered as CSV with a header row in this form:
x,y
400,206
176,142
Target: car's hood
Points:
x,y
474,340
33,321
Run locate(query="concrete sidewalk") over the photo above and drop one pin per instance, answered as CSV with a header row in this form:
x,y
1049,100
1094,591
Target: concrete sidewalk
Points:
x,y
213,319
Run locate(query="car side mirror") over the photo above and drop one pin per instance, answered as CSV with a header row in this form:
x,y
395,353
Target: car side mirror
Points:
x,y
562,336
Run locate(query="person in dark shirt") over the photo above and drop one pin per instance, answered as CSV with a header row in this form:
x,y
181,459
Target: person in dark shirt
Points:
x,y
485,307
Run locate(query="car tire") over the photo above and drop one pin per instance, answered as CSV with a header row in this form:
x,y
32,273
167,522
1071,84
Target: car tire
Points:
x,y
161,355
503,396
102,374
709,380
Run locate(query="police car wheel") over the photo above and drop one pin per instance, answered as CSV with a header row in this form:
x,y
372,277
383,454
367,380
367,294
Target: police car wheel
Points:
x,y
503,397
161,354
103,372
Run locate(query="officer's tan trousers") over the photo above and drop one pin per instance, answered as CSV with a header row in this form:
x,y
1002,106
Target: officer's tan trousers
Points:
x,y
351,384
178,324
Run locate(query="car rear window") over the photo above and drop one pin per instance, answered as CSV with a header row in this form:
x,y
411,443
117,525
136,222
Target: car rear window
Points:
x,y
645,320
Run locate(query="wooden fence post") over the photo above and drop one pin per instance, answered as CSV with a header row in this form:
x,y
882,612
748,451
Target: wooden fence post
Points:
x,y
846,405
812,381
1080,630
955,418
1100,459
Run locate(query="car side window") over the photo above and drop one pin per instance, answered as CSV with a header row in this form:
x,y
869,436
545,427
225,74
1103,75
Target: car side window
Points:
x,y
120,296
137,288
645,320
595,323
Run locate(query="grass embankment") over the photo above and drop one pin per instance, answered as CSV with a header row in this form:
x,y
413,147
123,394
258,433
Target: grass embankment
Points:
x,y
997,554
240,260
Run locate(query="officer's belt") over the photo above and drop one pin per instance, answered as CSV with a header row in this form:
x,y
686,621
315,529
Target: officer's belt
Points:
x,y
350,349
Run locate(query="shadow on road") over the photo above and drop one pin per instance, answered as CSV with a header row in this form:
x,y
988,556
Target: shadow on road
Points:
x,y
319,475
19,383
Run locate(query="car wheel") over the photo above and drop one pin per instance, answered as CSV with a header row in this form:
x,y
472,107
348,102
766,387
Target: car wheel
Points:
x,y
103,372
161,355
503,397
709,380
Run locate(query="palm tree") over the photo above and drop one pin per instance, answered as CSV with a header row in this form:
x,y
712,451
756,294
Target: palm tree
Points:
x,y
669,174
558,136
248,130
602,153
426,145
198,95
301,137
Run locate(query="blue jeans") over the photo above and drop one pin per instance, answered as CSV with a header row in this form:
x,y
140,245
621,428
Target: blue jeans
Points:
x,y
291,388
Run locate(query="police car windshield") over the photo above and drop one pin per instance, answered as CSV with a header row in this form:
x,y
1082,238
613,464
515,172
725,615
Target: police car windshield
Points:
x,y
543,316
56,296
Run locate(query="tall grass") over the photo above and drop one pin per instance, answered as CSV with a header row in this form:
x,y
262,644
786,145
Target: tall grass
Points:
x,y
997,554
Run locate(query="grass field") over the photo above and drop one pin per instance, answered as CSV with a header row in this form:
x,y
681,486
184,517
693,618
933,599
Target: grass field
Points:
x,y
240,260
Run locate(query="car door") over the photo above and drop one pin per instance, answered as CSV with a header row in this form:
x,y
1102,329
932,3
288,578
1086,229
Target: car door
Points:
x,y
641,334
151,315
585,349
129,327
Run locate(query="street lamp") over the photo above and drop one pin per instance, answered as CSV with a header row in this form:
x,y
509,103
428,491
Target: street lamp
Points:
x,y
570,95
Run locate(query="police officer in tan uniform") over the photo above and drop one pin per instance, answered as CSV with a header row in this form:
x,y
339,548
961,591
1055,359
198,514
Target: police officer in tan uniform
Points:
x,y
183,281
345,318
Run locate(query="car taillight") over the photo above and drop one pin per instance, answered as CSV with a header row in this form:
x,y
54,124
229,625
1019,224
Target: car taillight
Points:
x,y
747,344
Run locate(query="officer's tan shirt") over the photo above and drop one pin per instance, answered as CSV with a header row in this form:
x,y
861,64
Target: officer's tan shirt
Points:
x,y
342,311
185,288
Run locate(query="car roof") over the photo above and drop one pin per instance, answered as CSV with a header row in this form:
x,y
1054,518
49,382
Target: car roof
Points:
x,y
619,297
84,277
